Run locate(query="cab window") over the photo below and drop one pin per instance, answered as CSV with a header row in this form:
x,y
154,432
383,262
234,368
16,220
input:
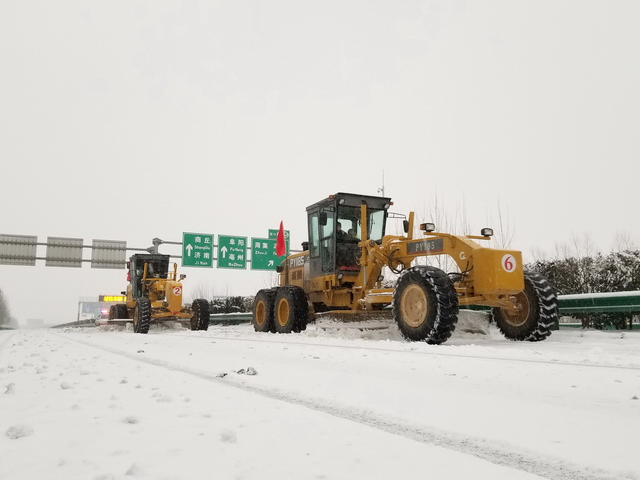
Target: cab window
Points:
x,y
314,235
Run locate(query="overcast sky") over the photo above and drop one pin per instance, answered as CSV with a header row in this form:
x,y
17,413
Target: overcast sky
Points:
x,y
129,120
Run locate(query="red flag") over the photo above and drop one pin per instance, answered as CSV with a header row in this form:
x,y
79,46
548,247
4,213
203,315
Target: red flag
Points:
x,y
281,248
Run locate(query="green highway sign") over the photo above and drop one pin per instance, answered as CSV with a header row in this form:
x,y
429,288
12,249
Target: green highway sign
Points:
x,y
232,252
197,250
263,254
273,234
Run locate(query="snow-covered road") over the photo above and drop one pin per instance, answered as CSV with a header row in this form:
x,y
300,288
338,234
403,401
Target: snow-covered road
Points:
x,y
330,403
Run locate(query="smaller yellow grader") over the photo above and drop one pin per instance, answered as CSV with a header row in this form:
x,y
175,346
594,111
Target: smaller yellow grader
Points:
x,y
154,295
340,271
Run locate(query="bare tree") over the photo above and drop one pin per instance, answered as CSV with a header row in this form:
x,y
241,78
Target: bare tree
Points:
x,y
581,255
538,255
436,212
504,233
461,218
5,312
201,291
270,280
433,212
624,242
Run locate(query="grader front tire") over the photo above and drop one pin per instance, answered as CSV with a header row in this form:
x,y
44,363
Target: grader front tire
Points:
x,y
536,311
200,311
291,310
142,316
425,305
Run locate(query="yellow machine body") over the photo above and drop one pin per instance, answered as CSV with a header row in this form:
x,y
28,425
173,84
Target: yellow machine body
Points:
x,y
151,278
486,276
154,294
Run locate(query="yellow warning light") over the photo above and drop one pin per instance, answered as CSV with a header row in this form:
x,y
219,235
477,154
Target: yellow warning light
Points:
x,y
113,298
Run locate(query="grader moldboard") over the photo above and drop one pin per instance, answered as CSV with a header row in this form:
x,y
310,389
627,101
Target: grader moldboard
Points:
x,y
340,270
154,295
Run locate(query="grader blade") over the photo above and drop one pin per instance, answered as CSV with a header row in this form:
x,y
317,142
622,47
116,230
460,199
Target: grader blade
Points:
x,y
345,321
355,316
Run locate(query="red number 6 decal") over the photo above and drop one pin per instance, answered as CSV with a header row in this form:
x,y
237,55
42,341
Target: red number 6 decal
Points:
x,y
509,263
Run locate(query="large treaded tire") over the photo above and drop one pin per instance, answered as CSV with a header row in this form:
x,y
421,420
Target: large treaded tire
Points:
x,y
200,317
291,311
538,314
142,316
425,305
263,311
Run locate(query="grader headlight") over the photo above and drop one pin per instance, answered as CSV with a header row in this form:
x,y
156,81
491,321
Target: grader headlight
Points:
x,y
486,232
428,227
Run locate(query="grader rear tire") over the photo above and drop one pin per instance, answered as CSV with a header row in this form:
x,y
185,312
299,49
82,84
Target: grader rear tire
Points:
x,y
425,305
537,311
200,311
142,316
263,311
291,310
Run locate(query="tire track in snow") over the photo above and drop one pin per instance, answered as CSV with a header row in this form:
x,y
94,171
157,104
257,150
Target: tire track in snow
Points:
x,y
6,340
541,465
414,352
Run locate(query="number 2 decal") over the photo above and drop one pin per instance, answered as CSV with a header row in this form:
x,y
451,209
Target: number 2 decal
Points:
x,y
177,290
509,263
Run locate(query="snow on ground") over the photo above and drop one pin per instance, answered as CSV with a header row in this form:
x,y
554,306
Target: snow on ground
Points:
x,y
335,402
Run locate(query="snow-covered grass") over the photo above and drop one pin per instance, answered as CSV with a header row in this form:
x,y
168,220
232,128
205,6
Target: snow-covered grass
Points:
x,y
337,401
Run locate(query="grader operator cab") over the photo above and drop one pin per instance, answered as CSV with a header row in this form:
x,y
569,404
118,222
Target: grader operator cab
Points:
x,y
154,294
341,267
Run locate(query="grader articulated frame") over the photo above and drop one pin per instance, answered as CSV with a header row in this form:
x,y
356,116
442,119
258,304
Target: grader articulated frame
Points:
x,y
341,270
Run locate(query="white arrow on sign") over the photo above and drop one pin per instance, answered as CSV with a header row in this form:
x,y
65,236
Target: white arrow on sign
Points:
x,y
224,252
270,263
188,249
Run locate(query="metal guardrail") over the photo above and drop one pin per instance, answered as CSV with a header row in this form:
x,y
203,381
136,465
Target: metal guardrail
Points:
x,y
609,302
623,302
77,323
229,318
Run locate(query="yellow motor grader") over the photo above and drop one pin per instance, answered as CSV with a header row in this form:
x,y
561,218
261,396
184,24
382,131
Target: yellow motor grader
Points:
x,y
340,271
154,294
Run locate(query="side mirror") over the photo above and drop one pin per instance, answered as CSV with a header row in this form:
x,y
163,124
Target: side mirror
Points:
x,y
305,246
405,226
322,219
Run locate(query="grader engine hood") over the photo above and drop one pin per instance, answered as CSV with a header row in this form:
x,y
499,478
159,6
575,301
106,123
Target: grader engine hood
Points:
x,y
174,296
497,272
